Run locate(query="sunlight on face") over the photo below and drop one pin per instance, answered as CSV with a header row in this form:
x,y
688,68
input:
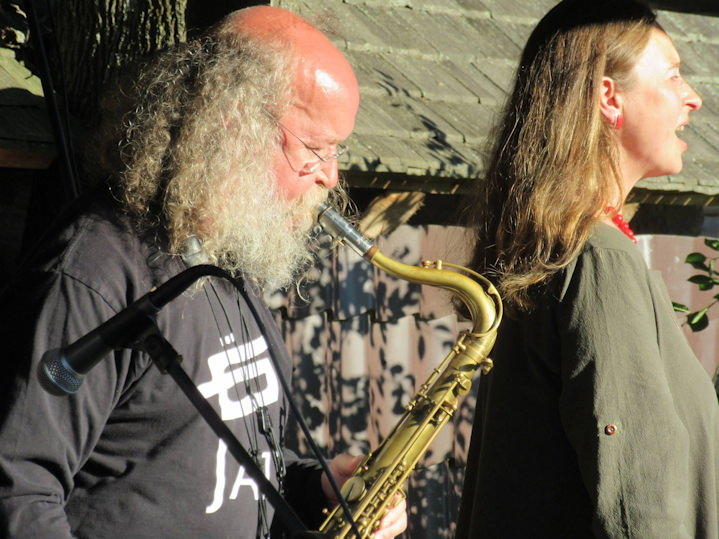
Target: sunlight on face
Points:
x,y
655,107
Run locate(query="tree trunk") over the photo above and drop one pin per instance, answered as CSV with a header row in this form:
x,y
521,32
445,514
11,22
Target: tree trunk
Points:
x,y
95,39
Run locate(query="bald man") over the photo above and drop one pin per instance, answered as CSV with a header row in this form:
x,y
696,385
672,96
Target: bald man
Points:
x,y
228,147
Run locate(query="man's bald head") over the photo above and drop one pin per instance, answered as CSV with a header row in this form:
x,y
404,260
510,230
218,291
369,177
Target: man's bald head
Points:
x,y
320,71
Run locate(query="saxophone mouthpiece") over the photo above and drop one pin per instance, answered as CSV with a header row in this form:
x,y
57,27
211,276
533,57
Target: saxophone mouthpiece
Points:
x,y
342,230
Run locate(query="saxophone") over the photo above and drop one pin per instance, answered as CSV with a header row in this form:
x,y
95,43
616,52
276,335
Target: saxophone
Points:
x,y
372,487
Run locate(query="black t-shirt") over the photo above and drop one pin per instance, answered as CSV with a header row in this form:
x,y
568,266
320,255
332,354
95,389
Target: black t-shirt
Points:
x,y
128,455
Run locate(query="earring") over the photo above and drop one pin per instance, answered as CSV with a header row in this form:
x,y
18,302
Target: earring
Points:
x,y
618,121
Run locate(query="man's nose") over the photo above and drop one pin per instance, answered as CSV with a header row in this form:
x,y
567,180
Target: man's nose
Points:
x,y
328,174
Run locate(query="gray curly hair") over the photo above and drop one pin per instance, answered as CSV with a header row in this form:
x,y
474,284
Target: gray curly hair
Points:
x,y
197,148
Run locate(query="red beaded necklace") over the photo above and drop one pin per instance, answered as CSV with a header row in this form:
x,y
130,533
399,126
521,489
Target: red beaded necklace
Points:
x,y
618,220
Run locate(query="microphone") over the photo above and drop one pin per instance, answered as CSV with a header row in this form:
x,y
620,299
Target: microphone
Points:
x,y
62,370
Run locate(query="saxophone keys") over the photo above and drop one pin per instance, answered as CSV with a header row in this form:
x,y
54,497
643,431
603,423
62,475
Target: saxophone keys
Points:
x,y
353,489
464,383
486,365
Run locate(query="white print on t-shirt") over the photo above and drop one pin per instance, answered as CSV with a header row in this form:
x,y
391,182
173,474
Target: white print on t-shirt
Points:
x,y
240,481
246,365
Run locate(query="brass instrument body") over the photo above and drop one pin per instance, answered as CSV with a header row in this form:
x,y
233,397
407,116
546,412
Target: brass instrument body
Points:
x,y
372,488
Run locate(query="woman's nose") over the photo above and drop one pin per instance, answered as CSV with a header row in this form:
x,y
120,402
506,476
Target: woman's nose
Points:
x,y
693,100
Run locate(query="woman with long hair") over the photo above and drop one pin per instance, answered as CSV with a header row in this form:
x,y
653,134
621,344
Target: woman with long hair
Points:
x,y
597,420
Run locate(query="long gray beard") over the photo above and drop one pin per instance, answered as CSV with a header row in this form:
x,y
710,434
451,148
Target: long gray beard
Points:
x,y
265,238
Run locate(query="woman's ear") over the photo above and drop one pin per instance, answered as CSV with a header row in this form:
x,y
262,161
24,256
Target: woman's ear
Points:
x,y
610,101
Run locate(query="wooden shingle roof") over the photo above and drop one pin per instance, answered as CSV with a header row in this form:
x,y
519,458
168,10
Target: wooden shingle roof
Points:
x,y
433,74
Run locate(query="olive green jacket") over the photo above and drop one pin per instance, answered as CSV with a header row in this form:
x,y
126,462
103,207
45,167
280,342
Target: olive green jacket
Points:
x,y
597,419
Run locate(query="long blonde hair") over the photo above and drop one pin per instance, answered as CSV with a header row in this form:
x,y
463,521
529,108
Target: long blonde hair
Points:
x,y
554,163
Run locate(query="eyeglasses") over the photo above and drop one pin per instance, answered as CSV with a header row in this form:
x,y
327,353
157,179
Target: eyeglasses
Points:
x,y
316,160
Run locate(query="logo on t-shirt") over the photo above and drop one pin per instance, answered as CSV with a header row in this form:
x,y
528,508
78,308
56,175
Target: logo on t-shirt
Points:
x,y
243,379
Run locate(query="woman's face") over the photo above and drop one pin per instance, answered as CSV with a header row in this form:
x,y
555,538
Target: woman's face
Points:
x,y
655,106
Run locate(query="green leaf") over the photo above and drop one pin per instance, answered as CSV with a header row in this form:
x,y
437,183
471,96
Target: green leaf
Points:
x,y
680,307
704,282
693,317
712,244
697,260
698,320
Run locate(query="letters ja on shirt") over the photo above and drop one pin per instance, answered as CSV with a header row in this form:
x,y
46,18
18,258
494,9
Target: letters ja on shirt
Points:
x,y
230,368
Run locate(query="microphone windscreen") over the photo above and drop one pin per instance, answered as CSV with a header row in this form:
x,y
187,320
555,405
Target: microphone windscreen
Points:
x,y
57,376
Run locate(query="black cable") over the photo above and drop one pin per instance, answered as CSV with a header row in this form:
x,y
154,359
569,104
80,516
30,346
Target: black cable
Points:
x,y
245,340
59,124
250,298
303,425
65,116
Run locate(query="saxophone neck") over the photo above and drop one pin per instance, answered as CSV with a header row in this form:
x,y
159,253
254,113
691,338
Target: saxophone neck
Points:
x,y
478,294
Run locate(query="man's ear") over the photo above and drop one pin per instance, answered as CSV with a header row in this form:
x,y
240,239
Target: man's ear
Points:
x,y
610,101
